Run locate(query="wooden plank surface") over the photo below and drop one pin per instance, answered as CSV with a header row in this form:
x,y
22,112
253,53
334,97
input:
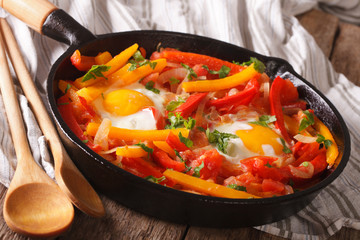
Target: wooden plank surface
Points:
x,y
339,41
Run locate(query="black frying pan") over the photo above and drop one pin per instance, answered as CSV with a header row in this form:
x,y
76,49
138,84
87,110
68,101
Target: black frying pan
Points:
x,y
156,200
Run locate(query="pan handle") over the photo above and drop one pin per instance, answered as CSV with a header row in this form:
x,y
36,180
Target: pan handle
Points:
x,y
47,19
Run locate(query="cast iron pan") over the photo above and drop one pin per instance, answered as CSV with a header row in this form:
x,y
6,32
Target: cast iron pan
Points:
x,y
156,200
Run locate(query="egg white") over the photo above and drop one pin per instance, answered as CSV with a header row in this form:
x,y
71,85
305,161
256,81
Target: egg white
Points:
x,y
141,120
236,150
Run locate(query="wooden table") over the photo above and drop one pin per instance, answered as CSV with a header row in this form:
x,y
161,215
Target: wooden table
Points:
x,y
339,41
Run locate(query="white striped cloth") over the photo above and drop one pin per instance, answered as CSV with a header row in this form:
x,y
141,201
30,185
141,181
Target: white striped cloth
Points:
x,y
267,27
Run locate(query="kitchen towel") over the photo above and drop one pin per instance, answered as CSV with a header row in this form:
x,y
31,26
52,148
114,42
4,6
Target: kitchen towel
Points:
x,y
267,27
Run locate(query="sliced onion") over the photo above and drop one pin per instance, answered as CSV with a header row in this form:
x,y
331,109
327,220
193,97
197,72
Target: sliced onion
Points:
x,y
178,73
101,137
266,88
296,172
233,91
305,139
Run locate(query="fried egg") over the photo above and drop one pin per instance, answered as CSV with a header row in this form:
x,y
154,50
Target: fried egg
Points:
x,y
125,106
253,140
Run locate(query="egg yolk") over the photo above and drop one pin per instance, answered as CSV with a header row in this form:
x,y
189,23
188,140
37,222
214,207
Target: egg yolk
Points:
x,y
255,138
123,102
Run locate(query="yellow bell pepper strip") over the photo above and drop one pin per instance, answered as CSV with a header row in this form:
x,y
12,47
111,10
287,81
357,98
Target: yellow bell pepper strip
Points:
x,y
165,147
92,92
332,151
140,135
223,83
141,72
103,58
119,74
206,187
115,64
64,86
131,151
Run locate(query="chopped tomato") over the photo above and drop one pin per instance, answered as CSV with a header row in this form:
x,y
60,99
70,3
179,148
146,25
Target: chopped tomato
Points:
x,y
269,185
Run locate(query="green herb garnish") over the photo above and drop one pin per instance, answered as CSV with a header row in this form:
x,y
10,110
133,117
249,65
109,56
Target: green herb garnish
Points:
x,y
185,141
174,80
264,120
268,165
138,61
221,139
154,179
191,74
85,141
187,168
150,86
174,104
321,139
258,65
95,71
68,86
198,169
145,148
306,121
237,187
177,121
285,148
64,103
223,72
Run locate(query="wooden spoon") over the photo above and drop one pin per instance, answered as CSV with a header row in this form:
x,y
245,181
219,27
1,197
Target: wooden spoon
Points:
x,y
68,177
34,205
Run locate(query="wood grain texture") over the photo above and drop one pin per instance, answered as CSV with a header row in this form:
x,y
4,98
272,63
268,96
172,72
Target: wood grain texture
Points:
x,y
322,26
346,53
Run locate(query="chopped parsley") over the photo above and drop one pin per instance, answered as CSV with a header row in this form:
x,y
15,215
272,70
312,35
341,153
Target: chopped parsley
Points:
x,y
306,121
150,86
264,120
221,139
191,74
138,61
237,187
145,148
85,141
68,86
258,65
174,104
185,141
268,165
95,71
198,169
285,148
174,80
223,72
64,103
177,121
321,139
187,168
154,179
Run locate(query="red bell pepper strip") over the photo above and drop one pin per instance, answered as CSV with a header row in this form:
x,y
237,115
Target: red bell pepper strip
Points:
x,y
67,114
276,108
163,159
191,104
241,98
82,63
194,58
175,142
140,167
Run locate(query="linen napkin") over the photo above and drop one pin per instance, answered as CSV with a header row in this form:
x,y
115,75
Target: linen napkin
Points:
x,y
267,27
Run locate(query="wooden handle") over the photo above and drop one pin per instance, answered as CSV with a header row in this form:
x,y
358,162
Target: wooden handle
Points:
x,y
30,91
12,109
32,12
